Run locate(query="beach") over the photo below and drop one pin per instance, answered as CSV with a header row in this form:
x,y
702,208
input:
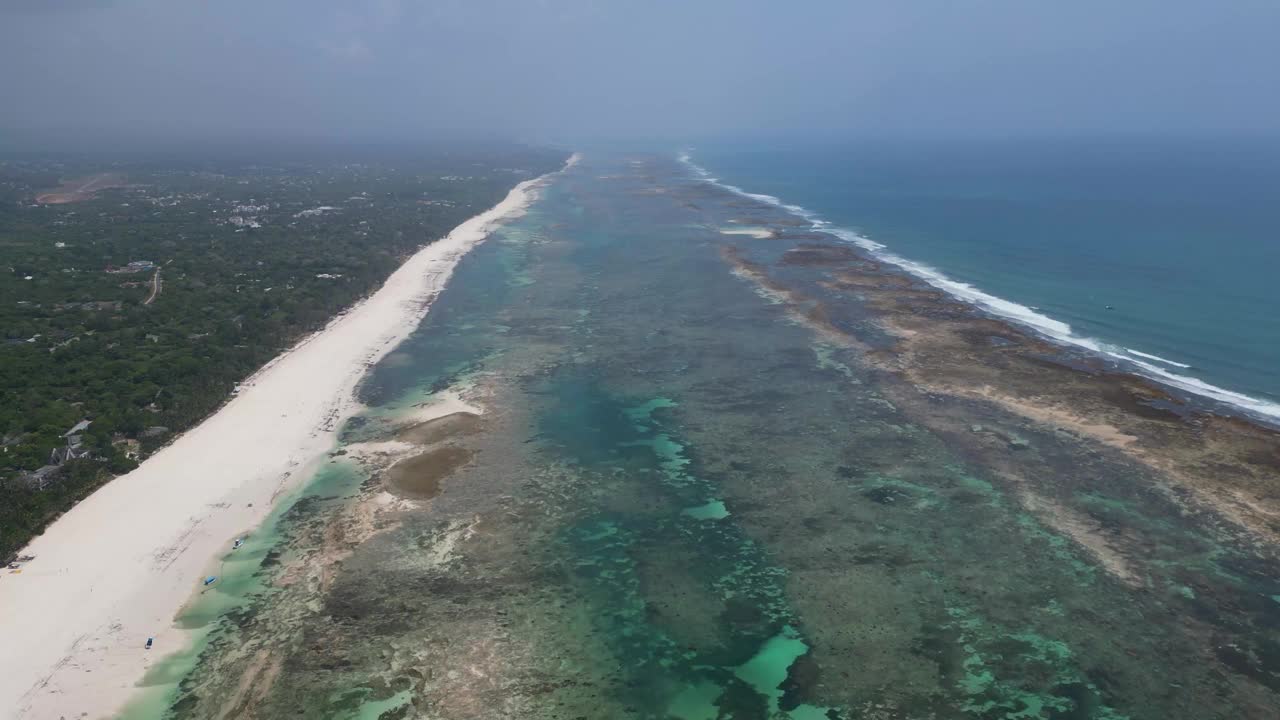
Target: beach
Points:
x,y
115,570
690,472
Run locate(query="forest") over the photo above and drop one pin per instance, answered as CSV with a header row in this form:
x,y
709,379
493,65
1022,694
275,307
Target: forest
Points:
x,y
139,306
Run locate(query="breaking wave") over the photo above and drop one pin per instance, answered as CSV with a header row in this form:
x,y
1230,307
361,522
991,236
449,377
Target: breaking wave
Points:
x,y
1140,362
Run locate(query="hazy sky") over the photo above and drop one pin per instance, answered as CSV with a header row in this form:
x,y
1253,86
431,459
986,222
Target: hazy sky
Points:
x,y
556,69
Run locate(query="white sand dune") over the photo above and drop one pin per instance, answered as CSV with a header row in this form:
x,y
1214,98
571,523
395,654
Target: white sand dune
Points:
x,y
120,565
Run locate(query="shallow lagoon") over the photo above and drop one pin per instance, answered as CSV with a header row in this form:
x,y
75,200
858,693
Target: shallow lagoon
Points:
x,y
685,503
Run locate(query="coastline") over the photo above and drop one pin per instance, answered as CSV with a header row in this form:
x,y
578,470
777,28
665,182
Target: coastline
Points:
x,y
661,479
1169,374
1213,448
118,567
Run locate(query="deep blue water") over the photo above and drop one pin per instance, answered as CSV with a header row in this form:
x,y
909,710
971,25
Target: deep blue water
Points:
x,y
1169,248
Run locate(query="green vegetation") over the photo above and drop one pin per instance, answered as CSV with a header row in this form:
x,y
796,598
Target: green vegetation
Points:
x,y
251,256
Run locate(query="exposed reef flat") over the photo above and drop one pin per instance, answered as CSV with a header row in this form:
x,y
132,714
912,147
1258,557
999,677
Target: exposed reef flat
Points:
x,y
453,425
1055,429
419,477
944,347
695,476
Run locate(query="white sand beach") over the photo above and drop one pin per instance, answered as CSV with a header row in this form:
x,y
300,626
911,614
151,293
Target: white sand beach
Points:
x,y
119,566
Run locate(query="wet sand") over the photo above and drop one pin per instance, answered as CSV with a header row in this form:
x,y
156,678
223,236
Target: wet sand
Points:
x,y
419,477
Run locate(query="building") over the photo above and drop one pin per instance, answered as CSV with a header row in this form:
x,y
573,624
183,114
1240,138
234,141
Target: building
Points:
x,y
74,449
133,267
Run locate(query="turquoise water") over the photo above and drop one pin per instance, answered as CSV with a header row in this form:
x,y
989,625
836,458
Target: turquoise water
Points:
x,y
241,582
1168,248
683,504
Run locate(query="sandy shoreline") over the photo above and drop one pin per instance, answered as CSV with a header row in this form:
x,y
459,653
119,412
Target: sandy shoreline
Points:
x,y
118,566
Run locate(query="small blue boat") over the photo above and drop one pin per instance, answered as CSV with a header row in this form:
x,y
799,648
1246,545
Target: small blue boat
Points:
x,y
209,580
150,641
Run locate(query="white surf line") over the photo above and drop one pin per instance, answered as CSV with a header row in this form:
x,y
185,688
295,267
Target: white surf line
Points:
x,y
120,565
1043,325
1156,358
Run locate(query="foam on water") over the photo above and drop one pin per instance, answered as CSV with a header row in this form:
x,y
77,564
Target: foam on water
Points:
x,y
1042,324
1157,358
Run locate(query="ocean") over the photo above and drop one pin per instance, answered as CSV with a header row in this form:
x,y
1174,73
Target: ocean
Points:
x,y
1162,255
697,486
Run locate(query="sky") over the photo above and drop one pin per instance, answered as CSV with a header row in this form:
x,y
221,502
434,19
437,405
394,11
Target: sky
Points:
x,y
556,70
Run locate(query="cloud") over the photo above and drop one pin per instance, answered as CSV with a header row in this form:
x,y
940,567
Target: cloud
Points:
x,y
583,66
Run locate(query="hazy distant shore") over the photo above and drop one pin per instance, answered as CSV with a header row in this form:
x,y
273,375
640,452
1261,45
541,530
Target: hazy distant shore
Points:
x,y
117,568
